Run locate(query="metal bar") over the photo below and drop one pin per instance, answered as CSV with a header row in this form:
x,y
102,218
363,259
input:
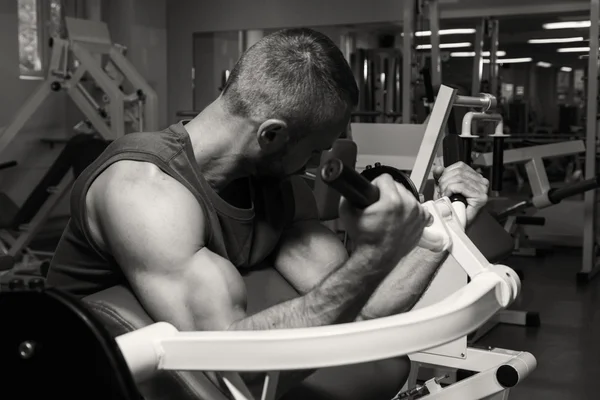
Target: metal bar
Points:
x,y
270,386
407,53
21,117
538,179
91,113
477,60
107,84
510,9
525,154
476,360
317,347
573,189
87,96
434,26
432,139
481,386
236,385
589,226
471,116
151,111
495,28
41,216
484,101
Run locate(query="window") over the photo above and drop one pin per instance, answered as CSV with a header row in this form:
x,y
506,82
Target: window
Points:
x,y
30,62
38,21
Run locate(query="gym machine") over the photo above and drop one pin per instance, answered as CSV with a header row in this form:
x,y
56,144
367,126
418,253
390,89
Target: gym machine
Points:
x,y
402,150
76,68
496,163
19,225
37,319
77,60
523,218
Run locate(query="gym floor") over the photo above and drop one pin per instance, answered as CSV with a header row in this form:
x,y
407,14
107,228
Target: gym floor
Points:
x,y
566,345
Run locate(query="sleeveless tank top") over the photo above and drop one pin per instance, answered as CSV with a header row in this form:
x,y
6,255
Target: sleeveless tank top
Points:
x,y
244,236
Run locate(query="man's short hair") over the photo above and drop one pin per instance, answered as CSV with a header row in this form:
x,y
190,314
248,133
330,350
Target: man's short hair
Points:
x,y
297,75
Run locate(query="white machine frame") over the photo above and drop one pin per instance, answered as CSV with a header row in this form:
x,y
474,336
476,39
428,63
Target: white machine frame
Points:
x,y
88,42
403,146
492,288
434,333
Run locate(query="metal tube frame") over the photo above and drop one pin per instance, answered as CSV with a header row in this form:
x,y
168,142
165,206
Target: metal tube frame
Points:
x,y
35,225
407,67
436,62
472,116
483,101
494,37
493,287
432,139
484,362
533,157
590,263
478,60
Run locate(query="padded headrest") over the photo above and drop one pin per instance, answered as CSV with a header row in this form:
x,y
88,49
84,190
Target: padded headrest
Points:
x,y
121,312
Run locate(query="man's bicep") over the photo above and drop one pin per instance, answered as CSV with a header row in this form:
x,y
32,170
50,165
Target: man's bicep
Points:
x,y
156,237
308,252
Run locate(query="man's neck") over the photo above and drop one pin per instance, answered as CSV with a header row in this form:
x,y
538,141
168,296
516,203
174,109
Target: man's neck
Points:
x,y
220,146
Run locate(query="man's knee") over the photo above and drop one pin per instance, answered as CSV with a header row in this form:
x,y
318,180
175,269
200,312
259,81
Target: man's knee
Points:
x,y
369,381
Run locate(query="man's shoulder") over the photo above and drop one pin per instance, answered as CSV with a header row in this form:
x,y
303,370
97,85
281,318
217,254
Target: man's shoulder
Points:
x,y
138,179
162,144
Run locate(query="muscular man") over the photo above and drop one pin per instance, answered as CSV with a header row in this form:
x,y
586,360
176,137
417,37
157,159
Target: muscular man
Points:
x,y
180,215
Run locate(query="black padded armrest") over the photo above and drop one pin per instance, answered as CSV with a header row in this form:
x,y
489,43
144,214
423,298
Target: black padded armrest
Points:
x,y
490,238
8,164
121,312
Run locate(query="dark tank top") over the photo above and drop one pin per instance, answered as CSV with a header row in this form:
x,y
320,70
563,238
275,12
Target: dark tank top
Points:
x,y
244,236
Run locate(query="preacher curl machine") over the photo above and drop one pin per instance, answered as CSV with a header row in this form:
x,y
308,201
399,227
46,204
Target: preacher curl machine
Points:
x,y
45,325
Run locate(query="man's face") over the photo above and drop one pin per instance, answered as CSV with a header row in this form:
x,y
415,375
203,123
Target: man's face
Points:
x,y
294,157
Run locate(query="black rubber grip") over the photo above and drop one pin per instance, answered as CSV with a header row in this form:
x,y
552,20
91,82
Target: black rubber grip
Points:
x,y
357,189
530,220
557,195
7,164
452,155
497,164
459,197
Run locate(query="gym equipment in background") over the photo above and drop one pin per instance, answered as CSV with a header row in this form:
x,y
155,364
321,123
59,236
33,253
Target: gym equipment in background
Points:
x,y
539,218
160,347
99,92
116,112
120,311
453,152
402,148
19,225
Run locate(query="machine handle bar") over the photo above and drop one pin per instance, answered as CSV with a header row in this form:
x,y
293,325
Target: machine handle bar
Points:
x,y
557,195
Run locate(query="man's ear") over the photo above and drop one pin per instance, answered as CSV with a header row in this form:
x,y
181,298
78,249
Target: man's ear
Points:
x,y
272,135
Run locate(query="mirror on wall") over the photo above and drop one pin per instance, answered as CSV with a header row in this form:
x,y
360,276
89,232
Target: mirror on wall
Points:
x,y
540,69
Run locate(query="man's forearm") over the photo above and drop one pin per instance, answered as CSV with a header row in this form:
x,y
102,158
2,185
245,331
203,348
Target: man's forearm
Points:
x,y
339,298
405,285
